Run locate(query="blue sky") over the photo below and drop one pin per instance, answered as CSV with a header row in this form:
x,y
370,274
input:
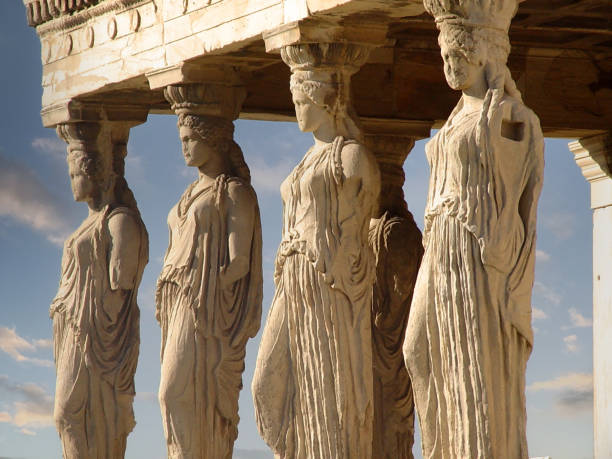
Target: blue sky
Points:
x,y
37,212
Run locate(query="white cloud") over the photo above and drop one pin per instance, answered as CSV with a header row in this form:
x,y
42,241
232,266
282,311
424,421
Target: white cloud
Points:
x,y
28,432
52,146
571,343
14,345
34,409
561,224
542,256
5,416
573,381
538,314
547,293
268,178
24,199
574,392
578,320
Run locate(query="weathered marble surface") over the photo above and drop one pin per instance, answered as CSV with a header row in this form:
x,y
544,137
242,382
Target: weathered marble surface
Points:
x,y
469,333
313,380
95,315
397,245
210,289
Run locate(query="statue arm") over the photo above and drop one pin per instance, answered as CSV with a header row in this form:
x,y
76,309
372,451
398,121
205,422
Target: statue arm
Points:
x,y
361,173
240,220
124,251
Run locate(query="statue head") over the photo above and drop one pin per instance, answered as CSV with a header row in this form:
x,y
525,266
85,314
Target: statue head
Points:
x,y
320,84
473,39
90,167
203,137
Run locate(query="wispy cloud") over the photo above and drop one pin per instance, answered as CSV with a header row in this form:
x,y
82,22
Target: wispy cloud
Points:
x,y
52,146
547,293
5,416
24,199
574,392
542,256
268,177
561,224
578,320
34,409
538,314
28,432
15,346
571,343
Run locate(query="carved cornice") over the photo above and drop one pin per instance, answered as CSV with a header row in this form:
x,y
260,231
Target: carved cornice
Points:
x,y
594,156
56,15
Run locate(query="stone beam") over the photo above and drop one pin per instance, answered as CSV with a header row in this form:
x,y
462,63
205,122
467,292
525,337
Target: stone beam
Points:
x,y
594,157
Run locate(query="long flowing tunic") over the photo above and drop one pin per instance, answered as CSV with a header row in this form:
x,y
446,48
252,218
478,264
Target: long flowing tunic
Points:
x,y
96,338
398,249
312,387
469,333
205,327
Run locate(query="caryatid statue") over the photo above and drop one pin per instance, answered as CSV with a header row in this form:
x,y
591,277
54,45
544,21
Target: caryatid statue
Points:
x,y
469,333
210,289
397,244
95,315
312,386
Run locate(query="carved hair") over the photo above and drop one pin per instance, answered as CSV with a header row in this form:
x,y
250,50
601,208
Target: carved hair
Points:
x,y
322,72
123,194
219,134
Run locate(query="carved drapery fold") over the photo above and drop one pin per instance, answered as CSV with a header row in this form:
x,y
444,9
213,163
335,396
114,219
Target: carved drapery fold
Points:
x,y
209,292
95,314
312,386
469,333
397,244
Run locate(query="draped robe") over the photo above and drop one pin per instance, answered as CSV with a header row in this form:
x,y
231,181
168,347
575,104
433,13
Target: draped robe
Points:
x,y
96,338
205,327
469,333
312,387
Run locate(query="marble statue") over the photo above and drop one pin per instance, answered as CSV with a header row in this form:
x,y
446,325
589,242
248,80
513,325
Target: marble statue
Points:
x,y
209,291
312,386
469,333
397,244
95,315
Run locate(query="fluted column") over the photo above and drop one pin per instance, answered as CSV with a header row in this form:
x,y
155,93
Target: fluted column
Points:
x,y
594,157
209,293
398,248
95,314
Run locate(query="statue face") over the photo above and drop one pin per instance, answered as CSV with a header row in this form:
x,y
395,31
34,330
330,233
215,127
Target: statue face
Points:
x,y
460,73
309,115
82,186
195,150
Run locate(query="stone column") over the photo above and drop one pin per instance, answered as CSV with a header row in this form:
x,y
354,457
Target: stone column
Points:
x,y
312,386
209,292
594,157
96,322
398,248
477,271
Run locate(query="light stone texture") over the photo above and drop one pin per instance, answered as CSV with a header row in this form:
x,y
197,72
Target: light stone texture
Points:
x,y
397,245
95,315
312,386
594,156
469,332
210,289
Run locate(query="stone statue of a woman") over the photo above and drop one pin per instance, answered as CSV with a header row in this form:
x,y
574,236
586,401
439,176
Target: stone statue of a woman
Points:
x,y
469,333
209,293
95,315
312,386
